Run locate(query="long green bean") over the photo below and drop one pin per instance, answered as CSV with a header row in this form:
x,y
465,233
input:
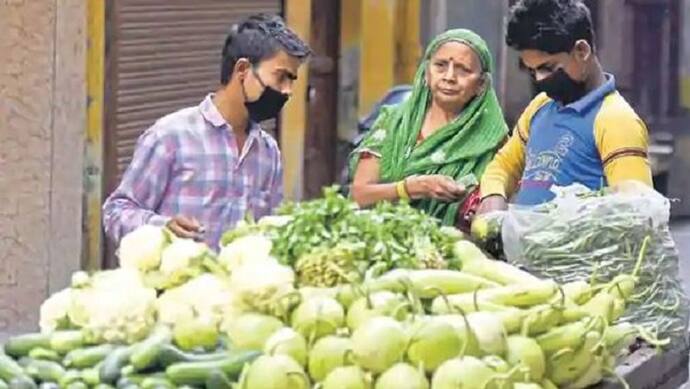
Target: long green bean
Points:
x,y
605,236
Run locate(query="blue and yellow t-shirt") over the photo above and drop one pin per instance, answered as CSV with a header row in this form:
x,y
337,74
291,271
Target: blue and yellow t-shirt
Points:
x,y
596,141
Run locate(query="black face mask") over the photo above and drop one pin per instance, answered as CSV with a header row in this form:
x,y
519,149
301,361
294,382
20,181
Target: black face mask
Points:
x,y
268,105
560,87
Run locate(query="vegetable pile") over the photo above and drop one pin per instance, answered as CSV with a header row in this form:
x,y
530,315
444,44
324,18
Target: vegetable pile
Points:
x,y
324,296
330,240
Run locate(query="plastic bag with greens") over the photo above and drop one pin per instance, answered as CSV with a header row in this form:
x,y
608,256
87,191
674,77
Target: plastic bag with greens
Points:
x,y
585,235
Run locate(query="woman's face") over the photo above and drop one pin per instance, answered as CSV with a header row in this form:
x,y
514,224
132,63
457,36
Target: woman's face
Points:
x,y
454,76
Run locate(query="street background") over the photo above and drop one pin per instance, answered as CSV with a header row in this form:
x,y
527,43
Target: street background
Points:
x,y
80,80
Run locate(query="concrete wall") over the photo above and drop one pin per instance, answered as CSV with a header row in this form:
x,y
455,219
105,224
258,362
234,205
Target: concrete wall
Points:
x,y
685,57
42,111
349,69
483,17
613,39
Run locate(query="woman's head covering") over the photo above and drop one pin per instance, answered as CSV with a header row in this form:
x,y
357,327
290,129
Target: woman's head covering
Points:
x,y
464,146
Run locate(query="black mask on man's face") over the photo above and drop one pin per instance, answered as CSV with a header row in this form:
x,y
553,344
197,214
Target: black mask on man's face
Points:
x,y
562,88
268,105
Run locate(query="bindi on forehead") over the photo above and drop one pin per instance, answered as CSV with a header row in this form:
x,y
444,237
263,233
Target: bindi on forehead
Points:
x,y
465,60
456,51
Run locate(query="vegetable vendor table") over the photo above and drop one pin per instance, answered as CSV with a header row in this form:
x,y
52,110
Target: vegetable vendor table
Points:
x,y
647,369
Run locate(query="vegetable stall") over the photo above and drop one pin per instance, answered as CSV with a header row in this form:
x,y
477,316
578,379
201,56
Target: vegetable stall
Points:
x,y
327,295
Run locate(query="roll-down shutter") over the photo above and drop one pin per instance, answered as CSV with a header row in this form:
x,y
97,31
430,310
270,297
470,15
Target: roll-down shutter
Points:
x,y
162,55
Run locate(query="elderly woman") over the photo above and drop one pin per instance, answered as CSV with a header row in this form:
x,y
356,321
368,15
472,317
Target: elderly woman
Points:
x,y
449,129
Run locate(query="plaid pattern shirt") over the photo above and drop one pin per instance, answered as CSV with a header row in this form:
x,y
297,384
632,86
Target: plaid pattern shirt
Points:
x,y
188,163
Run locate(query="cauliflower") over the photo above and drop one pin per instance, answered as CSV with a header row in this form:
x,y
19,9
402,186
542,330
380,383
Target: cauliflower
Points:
x,y
263,286
54,311
114,307
180,261
80,279
204,296
115,279
249,248
180,254
141,249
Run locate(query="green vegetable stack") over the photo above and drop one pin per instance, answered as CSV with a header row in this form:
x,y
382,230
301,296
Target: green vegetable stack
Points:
x,y
388,236
260,316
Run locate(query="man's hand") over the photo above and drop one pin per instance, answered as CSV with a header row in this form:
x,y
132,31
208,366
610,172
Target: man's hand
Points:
x,y
184,227
436,187
492,203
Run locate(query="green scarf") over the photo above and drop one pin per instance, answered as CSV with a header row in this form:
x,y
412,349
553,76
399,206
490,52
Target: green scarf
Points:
x,y
464,146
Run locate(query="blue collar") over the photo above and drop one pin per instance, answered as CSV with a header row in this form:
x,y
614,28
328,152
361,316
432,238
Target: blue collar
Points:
x,y
594,96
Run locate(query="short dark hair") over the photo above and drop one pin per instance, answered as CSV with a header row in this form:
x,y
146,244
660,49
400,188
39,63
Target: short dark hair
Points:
x,y
552,26
257,38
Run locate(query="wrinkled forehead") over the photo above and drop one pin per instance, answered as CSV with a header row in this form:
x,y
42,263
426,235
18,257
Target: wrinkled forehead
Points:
x,y
457,50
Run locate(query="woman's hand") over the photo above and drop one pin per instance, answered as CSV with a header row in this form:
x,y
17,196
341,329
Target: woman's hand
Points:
x,y
437,187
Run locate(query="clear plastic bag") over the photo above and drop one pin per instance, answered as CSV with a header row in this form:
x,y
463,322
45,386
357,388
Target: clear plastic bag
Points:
x,y
583,234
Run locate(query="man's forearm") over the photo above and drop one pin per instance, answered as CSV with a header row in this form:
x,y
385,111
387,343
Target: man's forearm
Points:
x,y
121,217
504,172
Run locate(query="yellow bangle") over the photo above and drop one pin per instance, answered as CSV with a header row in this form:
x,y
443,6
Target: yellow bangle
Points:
x,y
402,191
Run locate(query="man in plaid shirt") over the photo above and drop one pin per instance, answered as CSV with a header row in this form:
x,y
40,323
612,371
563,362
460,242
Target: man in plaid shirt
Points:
x,y
199,170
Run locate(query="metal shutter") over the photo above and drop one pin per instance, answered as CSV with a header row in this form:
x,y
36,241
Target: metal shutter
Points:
x,y
162,55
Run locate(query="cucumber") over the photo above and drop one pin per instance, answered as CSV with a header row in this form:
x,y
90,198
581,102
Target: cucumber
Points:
x,y
138,379
133,380
127,371
170,354
22,382
88,357
20,345
224,342
196,373
218,380
3,384
66,341
77,385
113,363
124,382
91,376
145,354
9,368
156,383
45,371
45,354
69,377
